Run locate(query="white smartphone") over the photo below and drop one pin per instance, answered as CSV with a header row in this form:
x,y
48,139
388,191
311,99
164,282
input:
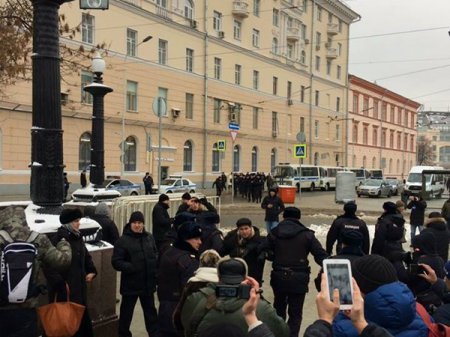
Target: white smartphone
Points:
x,y
338,274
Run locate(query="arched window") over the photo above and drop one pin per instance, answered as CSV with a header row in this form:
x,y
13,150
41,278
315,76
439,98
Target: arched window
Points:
x,y
398,166
215,158
254,159
364,161
303,57
273,158
188,9
355,133
275,45
84,155
374,162
236,158
130,154
354,161
187,156
390,165
316,158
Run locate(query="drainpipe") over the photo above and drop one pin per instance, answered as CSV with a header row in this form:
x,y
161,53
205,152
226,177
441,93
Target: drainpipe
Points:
x,y
311,75
205,94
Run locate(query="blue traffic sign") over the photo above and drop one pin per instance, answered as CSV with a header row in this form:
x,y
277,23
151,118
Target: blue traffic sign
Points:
x,y
233,126
300,151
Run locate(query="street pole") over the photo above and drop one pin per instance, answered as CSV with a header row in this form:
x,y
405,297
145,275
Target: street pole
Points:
x,y
232,171
160,99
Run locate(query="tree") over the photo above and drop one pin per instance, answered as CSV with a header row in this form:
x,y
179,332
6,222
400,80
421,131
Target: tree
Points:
x,y
425,152
16,34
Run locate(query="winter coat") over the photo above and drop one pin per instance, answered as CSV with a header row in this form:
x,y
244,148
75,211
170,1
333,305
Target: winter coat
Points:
x,y
110,233
195,317
321,328
446,210
177,265
347,222
135,256
438,226
13,221
417,208
248,249
277,207
389,231
291,243
391,306
75,275
160,221
212,237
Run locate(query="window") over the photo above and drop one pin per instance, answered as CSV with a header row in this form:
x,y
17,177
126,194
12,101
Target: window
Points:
x,y
303,31
237,111
84,155
391,139
318,38
275,17
375,109
215,158
163,92
274,123
189,108
405,142
217,21
256,8
355,133
189,60
316,158
339,49
302,93
383,138
273,158
399,140
316,129
412,120
188,9
338,133
290,50
406,117
237,30
338,104
328,67
303,57
254,159
131,42
237,74
162,3
366,106
316,98
217,68
129,159
275,85
237,158
132,95
365,135
355,103
255,117
411,143
375,137
319,13
384,111
255,79
275,45
217,109
187,156
289,22
399,116
86,78
374,161
392,116
289,89
305,6
87,28
162,51
302,124
330,18
255,38
340,25
338,72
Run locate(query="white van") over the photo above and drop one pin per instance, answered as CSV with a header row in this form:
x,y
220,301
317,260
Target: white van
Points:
x,y
434,184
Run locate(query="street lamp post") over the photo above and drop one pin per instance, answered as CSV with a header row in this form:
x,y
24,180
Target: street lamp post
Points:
x,y
98,90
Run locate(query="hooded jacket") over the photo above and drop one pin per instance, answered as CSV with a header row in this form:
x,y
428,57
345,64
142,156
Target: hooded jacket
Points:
x,y
277,206
438,227
110,233
13,221
196,317
135,256
389,231
391,306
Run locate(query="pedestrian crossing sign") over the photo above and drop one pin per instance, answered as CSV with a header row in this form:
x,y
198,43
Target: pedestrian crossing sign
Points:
x,y
300,151
221,145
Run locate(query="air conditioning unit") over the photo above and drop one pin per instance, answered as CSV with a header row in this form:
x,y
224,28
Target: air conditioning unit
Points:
x,y
290,102
221,34
176,112
194,24
232,116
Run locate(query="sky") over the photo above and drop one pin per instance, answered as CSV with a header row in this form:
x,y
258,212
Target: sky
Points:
x,y
404,45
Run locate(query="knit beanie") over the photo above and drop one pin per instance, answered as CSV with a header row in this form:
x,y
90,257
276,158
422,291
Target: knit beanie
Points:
x,y
136,217
68,215
390,207
292,212
243,222
373,271
163,197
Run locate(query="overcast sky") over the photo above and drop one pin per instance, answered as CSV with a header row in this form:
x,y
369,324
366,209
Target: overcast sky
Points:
x,y
425,46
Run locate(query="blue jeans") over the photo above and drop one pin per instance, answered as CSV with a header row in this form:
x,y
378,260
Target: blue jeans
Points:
x,y
413,231
271,225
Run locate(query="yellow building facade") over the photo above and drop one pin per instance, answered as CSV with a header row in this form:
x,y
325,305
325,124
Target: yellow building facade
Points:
x,y
276,68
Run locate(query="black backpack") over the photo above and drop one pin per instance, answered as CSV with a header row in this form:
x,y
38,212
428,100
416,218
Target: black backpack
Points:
x,y
17,263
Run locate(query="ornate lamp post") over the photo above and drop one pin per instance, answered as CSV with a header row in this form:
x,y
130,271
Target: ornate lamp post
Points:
x,y
98,90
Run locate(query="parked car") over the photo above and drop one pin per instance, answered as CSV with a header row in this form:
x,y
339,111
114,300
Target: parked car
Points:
x,y
109,189
396,185
374,188
175,184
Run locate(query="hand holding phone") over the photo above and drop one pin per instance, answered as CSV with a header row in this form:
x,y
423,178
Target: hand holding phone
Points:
x,y
338,275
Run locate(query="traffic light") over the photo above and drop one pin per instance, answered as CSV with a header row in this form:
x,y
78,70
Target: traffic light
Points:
x,y
94,4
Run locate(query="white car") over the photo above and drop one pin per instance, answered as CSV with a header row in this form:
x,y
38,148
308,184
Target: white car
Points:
x,y
175,184
110,189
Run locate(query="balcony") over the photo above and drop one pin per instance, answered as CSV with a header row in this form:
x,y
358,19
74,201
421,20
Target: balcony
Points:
x,y
293,34
332,28
332,53
164,12
240,9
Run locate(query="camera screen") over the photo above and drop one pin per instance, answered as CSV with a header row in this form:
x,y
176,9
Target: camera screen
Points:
x,y
227,291
339,278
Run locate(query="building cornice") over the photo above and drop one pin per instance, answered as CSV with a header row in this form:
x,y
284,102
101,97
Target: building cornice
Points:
x,y
346,13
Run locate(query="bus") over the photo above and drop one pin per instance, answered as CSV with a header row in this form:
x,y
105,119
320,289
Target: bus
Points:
x,y
361,175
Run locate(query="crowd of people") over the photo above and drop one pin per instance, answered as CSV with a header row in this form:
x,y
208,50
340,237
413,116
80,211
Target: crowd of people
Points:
x,y
209,284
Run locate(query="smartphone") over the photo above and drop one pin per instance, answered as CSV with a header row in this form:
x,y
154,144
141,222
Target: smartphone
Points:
x,y
415,269
338,274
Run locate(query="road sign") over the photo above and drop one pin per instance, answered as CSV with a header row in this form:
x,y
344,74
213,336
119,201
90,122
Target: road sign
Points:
x,y
300,151
233,126
301,137
94,4
233,135
159,106
221,145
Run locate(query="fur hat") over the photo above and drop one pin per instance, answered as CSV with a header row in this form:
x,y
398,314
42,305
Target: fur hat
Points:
x,y
209,258
68,215
373,271
136,217
232,270
292,212
243,222
189,230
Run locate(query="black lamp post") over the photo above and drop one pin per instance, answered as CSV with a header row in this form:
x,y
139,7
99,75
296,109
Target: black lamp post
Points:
x,y
98,90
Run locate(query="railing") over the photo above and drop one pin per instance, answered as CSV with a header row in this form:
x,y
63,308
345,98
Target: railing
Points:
x,y
293,33
162,11
240,8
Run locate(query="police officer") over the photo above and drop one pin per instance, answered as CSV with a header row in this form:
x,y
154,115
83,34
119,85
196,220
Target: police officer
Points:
x,y
291,242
